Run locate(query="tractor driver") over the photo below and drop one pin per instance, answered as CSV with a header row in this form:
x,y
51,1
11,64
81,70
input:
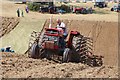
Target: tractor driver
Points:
x,y
61,25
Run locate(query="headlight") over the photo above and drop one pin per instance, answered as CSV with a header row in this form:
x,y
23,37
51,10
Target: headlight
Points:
x,y
56,42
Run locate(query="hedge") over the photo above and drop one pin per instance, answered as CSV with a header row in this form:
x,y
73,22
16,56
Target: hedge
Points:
x,y
34,6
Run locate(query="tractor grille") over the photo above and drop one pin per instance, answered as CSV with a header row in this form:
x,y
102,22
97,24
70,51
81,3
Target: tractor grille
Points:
x,y
49,44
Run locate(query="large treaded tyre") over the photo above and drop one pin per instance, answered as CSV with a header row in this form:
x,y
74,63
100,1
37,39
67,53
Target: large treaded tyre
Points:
x,y
34,51
66,55
76,45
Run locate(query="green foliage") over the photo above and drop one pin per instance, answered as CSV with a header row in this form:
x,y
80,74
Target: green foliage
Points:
x,y
34,6
65,7
100,12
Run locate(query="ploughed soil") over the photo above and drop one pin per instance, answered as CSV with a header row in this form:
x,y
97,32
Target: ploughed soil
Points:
x,y
7,24
105,43
20,66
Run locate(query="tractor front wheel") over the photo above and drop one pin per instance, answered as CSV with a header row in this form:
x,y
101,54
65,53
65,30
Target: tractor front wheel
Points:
x,y
34,51
66,55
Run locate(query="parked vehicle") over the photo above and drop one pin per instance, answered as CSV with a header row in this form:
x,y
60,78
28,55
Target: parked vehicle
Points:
x,y
100,4
50,9
61,11
116,8
83,10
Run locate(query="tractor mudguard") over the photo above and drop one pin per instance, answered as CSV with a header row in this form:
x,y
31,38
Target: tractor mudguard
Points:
x,y
70,37
74,32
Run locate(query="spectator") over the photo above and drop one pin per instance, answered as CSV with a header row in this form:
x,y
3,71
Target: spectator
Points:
x,y
18,12
8,49
71,8
27,9
87,10
91,10
74,9
40,9
22,13
2,49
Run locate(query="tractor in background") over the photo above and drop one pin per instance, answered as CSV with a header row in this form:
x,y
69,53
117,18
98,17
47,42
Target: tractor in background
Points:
x,y
100,4
47,7
82,10
50,9
116,8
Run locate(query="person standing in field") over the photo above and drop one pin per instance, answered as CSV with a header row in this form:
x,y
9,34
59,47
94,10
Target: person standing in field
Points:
x,y
91,10
27,9
74,9
18,12
22,13
71,8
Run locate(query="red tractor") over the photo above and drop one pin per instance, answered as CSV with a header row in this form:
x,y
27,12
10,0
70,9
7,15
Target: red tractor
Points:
x,y
83,10
51,44
78,10
54,43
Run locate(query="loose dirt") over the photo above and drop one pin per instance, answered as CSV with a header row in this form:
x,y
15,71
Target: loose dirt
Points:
x,y
20,66
103,29
7,24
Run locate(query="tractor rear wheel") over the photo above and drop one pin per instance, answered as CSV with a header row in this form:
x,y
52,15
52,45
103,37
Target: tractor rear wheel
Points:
x,y
34,51
66,55
76,44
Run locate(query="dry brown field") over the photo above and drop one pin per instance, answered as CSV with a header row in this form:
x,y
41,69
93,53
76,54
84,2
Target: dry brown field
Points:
x,y
102,28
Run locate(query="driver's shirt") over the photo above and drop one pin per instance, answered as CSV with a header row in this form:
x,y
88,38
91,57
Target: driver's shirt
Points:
x,y
62,25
